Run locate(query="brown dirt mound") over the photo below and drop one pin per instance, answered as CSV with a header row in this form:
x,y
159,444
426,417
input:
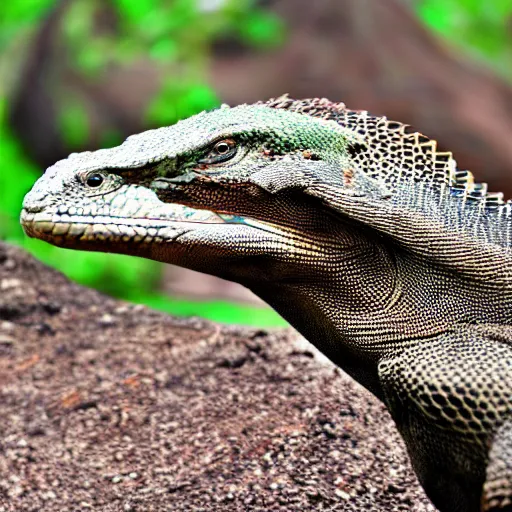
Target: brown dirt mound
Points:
x,y
109,406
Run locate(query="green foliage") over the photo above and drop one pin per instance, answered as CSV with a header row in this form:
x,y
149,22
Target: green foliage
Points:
x,y
16,177
176,35
16,15
262,29
73,121
482,27
179,100
218,311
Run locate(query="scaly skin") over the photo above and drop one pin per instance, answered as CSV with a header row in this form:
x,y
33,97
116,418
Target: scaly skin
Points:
x,y
370,242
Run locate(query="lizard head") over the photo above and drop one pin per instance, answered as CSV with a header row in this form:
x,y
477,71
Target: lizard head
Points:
x,y
212,191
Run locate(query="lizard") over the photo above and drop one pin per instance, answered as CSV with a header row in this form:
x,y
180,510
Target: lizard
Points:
x,y
358,230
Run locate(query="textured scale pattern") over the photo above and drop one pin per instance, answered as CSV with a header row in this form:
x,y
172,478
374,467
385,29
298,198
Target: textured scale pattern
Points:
x,y
395,155
364,236
481,397
497,489
390,146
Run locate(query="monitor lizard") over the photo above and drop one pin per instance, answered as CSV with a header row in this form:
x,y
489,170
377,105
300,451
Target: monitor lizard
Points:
x,y
357,230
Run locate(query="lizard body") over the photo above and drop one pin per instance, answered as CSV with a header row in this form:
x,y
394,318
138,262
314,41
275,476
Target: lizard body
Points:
x,y
393,262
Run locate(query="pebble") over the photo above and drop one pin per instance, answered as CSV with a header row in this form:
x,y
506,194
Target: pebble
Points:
x,y
10,264
7,326
268,458
6,340
50,495
107,320
8,283
342,494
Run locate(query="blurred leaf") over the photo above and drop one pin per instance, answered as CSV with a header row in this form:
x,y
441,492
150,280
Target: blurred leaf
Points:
x,y
111,138
93,57
78,21
197,98
262,29
480,28
73,121
17,175
164,50
436,17
126,51
178,100
26,11
135,10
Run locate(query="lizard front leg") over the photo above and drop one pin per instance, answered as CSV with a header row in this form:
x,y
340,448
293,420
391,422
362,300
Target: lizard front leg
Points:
x,y
497,496
450,396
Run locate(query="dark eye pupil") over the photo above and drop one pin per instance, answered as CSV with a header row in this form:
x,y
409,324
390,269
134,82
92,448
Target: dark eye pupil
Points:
x,y
222,148
94,180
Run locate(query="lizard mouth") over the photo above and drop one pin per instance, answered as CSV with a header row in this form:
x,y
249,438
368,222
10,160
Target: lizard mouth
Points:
x,y
72,228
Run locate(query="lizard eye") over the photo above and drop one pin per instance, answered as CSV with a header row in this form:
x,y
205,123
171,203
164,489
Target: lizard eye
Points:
x,y
220,152
223,147
98,183
94,180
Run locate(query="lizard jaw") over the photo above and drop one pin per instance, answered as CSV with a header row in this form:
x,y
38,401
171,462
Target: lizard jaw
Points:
x,y
132,220
72,229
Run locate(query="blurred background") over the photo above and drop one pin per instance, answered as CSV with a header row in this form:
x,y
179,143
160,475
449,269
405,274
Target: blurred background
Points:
x,y
82,74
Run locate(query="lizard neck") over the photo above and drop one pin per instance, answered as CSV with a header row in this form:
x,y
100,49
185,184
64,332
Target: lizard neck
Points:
x,y
337,308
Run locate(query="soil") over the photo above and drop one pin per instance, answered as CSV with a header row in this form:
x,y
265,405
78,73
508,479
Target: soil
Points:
x,y
110,406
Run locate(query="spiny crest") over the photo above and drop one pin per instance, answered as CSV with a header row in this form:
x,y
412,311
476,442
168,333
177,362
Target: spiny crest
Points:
x,y
394,153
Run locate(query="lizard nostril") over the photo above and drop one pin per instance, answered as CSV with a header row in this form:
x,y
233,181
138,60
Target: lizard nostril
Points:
x,y
36,200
